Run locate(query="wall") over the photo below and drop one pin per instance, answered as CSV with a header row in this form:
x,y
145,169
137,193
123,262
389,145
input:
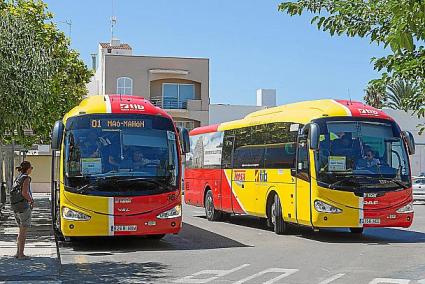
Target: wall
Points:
x,y
409,122
221,112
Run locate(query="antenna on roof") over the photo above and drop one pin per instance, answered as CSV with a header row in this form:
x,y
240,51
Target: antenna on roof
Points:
x,y
349,96
113,21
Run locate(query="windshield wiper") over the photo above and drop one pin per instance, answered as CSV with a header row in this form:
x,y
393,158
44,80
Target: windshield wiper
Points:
x,y
81,189
149,180
345,179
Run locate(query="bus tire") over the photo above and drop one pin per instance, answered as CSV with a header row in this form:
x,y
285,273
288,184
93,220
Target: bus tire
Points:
x,y
280,227
211,213
156,237
357,231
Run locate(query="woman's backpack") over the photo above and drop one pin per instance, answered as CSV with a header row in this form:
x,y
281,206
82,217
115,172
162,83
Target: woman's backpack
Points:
x,y
17,200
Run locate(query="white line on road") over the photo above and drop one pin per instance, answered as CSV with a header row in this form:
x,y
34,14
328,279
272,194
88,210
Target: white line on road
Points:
x,y
285,273
389,281
333,278
218,273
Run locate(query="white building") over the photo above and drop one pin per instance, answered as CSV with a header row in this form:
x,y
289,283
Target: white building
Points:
x,y
225,112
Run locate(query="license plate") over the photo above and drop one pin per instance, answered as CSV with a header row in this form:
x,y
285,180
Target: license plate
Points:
x,y
374,221
127,228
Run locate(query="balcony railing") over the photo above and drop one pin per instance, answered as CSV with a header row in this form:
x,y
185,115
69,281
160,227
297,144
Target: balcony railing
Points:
x,y
168,103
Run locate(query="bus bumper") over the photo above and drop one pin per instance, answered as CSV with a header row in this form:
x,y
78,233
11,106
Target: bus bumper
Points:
x,y
137,225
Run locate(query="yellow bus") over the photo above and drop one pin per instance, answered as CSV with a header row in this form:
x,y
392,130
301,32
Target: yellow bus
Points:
x,y
323,164
119,169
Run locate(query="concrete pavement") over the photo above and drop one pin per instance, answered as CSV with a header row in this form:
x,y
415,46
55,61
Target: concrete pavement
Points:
x,y
43,265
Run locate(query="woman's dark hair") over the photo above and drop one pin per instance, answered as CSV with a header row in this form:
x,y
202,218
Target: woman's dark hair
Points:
x,y
24,167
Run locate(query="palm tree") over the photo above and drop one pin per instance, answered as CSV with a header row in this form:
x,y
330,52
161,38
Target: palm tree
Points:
x,y
375,96
401,95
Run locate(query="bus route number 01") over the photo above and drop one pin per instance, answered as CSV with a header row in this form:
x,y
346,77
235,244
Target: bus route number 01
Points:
x,y
95,123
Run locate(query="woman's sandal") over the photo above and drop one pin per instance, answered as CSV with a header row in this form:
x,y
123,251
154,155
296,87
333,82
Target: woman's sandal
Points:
x,y
23,257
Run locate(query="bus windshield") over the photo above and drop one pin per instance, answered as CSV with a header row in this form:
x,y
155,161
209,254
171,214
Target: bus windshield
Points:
x,y
116,153
356,155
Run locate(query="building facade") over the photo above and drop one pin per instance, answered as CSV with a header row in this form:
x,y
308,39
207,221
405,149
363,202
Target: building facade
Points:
x,y
178,85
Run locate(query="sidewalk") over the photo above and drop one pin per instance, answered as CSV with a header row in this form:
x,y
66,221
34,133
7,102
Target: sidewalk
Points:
x,y
43,266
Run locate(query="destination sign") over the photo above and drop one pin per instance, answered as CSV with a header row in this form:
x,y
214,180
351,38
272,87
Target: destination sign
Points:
x,y
117,123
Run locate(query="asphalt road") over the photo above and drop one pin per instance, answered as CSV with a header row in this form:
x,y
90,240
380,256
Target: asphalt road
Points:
x,y
242,250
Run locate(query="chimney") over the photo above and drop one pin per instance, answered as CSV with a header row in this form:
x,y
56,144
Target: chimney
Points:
x,y
93,61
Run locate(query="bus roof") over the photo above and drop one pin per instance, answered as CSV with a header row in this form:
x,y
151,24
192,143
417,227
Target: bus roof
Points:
x,y
124,104
301,112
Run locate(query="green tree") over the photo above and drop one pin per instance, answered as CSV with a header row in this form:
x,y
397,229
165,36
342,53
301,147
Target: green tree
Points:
x,y
41,77
375,96
401,95
397,24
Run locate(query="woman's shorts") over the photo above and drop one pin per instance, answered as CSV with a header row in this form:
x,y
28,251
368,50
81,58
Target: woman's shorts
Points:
x,y
23,219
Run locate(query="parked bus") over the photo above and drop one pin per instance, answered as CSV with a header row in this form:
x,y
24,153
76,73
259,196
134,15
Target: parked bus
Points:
x,y
119,169
322,164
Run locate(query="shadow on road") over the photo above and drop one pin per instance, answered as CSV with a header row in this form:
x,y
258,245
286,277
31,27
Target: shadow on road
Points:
x,y
370,236
115,272
190,238
378,236
35,269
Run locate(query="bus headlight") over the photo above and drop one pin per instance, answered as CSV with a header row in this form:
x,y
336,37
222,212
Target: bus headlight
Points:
x,y
408,208
324,207
69,214
172,213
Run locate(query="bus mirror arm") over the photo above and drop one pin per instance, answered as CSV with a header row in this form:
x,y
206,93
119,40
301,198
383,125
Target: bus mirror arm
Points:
x,y
184,140
313,131
410,141
57,135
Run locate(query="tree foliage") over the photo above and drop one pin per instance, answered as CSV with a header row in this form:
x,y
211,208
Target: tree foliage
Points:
x,y
397,24
41,77
375,96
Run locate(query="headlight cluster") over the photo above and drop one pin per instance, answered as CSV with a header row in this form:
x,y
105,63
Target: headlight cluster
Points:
x,y
172,213
408,208
69,214
324,207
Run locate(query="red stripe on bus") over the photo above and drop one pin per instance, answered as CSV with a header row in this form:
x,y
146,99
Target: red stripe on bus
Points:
x,y
204,129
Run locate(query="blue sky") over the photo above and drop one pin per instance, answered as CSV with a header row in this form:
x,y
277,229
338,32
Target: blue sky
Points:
x,y
250,45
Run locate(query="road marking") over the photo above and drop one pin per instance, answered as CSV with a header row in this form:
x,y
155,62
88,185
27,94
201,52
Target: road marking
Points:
x,y
422,281
389,281
218,273
333,278
285,273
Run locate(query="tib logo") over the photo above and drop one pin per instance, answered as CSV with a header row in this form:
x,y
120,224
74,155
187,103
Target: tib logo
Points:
x,y
260,176
132,107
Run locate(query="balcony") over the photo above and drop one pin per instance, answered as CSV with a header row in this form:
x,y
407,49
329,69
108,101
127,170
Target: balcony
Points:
x,y
174,103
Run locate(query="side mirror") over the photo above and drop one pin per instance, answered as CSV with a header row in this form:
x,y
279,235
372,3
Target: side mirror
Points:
x,y
57,135
184,140
408,137
313,131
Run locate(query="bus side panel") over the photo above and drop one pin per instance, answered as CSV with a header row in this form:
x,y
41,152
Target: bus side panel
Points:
x,y
230,202
193,186
211,180
281,181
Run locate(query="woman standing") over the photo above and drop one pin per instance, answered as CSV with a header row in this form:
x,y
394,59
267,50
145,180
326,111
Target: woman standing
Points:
x,y
22,204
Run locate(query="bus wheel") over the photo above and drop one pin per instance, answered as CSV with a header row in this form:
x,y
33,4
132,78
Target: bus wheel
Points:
x,y
156,237
356,231
210,211
279,225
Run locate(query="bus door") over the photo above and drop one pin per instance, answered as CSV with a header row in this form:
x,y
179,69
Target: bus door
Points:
x,y
227,172
303,182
